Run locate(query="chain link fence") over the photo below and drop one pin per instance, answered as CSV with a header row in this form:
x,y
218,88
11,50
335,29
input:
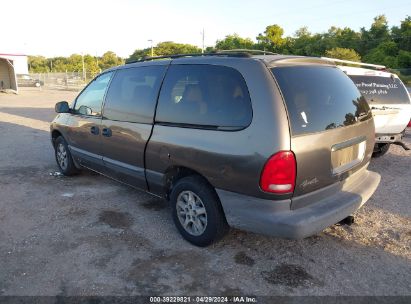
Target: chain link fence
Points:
x,y
73,81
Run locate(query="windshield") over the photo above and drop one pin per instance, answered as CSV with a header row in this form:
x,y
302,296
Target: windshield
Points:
x,y
381,90
320,98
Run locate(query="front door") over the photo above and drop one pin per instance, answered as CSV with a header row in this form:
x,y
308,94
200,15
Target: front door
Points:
x,y
84,134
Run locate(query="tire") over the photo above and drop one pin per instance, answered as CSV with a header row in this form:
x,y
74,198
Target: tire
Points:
x,y
380,149
196,203
63,157
37,84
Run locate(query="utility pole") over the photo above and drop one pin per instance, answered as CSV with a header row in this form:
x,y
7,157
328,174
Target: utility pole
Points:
x,y
152,52
84,71
202,49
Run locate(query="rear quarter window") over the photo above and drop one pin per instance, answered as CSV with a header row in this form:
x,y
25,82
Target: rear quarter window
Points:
x,y
381,90
204,96
320,98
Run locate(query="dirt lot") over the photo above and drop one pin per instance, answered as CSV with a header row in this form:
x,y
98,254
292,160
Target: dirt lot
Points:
x,y
88,235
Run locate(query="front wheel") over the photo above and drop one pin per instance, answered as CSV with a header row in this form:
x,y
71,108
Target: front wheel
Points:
x,y
63,157
380,149
197,212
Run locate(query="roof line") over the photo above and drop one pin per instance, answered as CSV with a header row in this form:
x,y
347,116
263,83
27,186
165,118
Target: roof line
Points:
x,y
377,66
221,54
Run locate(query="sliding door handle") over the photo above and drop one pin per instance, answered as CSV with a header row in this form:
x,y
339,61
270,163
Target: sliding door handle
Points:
x,y
106,132
94,130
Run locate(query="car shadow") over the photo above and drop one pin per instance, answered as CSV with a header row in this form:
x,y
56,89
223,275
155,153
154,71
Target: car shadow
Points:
x,y
43,114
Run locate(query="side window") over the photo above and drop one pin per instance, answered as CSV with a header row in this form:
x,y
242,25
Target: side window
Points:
x,y
133,94
90,100
207,96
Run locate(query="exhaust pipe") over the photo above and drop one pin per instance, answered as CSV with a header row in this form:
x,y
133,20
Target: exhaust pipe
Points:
x,y
349,220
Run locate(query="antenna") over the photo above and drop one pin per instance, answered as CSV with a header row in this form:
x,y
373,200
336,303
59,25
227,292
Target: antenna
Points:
x,y
202,49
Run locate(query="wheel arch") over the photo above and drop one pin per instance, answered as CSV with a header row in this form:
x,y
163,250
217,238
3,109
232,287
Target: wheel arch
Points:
x,y
175,173
54,135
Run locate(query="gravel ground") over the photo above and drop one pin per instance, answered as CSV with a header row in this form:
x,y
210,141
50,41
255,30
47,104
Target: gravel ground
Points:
x,y
88,235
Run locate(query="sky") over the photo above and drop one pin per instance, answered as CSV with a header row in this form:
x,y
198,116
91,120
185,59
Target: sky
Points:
x,y
64,27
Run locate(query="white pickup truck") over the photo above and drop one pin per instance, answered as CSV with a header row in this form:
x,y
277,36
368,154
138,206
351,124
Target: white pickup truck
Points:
x,y
388,98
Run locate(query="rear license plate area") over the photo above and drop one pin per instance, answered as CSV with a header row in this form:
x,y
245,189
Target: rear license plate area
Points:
x,y
347,155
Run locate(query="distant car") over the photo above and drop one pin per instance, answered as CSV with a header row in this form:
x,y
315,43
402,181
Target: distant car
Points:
x,y
25,80
389,101
74,80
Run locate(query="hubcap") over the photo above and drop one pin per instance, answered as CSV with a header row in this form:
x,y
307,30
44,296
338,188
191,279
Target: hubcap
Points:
x,y
61,154
191,213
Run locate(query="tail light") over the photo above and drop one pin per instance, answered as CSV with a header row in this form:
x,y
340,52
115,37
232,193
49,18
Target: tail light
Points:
x,y
278,175
409,124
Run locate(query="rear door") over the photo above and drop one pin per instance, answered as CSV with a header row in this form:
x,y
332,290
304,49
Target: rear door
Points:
x,y
128,120
389,101
331,124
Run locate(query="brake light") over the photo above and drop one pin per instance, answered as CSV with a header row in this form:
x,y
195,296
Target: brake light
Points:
x,y
409,124
278,175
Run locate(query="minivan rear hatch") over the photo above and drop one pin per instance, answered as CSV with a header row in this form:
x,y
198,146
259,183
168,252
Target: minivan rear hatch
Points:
x,y
331,126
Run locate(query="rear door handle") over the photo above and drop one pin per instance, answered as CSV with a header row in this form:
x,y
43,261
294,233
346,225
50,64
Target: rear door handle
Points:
x,y
94,130
106,132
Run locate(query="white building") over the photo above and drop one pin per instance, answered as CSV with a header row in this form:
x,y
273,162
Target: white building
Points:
x,y
20,62
10,66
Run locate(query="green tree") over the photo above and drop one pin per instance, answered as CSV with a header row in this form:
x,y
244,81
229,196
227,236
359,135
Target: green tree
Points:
x,y
38,64
404,60
109,59
378,33
164,49
302,41
402,35
91,65
139,54
74,63
272,38
172,48
234,41
210,49
343,53
385,53
347,38
60,64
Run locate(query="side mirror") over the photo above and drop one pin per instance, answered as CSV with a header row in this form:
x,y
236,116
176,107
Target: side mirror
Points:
x,y
62,107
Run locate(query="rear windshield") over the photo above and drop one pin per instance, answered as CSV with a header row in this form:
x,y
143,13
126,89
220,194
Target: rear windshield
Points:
x,y
381,90
320,98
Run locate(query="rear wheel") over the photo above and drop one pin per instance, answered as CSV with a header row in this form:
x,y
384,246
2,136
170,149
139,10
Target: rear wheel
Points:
x,y
197,212
63,157
380,149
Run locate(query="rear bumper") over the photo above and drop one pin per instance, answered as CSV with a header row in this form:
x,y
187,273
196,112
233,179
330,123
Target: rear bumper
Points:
x,y
275,218
388,138
391,139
